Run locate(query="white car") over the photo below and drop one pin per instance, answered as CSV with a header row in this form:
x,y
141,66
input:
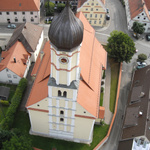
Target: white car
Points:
x,y
141,63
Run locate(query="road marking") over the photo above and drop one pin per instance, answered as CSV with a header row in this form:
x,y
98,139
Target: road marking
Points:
x,y
103,34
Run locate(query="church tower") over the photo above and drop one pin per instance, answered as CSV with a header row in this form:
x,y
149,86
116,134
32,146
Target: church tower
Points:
x,y
65,34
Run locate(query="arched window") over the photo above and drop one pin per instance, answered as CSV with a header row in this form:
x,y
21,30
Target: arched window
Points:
x,y
65,94
59,93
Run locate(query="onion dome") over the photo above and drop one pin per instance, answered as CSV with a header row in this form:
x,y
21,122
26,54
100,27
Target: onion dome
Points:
x,y
66,30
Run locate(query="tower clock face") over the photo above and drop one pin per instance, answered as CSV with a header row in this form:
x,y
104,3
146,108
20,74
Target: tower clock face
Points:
x,y
63,60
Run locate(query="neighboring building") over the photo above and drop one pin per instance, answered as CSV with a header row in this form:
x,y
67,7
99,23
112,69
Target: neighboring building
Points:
x,y
136,125
31,36
138,10
15,64
19,11
73,3
94,11
64,100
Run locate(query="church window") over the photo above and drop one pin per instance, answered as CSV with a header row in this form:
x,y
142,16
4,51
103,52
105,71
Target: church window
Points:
x,y
61,112
63,60
59,93
61,119
65,94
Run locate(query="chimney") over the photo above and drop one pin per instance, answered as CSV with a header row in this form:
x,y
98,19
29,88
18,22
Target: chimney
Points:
x,y
14,59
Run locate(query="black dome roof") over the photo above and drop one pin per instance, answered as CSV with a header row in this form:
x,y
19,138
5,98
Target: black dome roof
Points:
x,y
66,30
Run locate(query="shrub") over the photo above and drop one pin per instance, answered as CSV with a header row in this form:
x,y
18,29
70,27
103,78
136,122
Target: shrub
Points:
x,y
142,57
104,75
102,89
4,102
60,7
102,83
7,122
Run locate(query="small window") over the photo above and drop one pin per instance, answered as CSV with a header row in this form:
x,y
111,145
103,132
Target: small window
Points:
x,y
59,93
9,75
31,13
15,76
16,20
61,119
7,13
15,13
10,81
32,20
65,94
24,20
90,21
61,112
87,3
96,9
35,16
99,22
90,15
96,3
19,4
86,9
144,18
94,22
91,9
7,70
0,13
95,15
23,13
101,16
92,4
145,24
142,13
85,15
138,17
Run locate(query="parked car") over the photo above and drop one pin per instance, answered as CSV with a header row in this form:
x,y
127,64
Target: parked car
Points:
x,y
107,17
11,26
148,37
141,65
48,19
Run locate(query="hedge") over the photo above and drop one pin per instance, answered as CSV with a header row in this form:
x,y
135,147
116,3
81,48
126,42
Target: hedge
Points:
x,y
7,122
4,102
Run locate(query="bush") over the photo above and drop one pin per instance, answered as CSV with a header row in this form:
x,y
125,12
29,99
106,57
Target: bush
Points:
x,y
60,7
4,102
142,57
102,89
49,22
104,75
102,83
7,122
49,8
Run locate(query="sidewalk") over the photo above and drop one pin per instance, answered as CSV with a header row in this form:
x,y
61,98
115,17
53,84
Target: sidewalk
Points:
x,y
106,99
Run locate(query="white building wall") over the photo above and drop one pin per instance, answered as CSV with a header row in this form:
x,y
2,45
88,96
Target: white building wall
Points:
x,y
27,68
7,76
35,54
20,16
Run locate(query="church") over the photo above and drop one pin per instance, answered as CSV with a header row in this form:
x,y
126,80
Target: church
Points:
x,y
65,97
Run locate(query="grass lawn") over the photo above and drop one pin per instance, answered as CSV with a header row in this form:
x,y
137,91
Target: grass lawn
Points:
x,y
22,123
101,99
12,91
114,83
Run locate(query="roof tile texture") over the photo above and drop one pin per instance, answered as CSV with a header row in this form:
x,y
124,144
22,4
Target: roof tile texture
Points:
x,y
17,5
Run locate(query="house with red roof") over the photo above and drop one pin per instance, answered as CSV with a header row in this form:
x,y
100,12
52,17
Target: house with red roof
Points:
x,y
15,64
17,11
138,11
64,100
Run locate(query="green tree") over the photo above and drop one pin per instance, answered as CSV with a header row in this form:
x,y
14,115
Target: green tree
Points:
x,y
138,28
120,46
60,7
49,8
142,57
17,143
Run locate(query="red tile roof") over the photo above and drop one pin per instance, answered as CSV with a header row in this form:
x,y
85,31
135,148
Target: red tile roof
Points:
x,y
147,2
92,58
19,5
19,52
136,7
